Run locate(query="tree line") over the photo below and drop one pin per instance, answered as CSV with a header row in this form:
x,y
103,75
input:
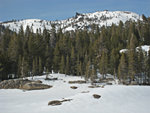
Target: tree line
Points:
x,y
80,53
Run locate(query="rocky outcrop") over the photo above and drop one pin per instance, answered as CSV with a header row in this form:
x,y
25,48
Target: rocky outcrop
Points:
x,y
23,84
35,86
13,84
58,102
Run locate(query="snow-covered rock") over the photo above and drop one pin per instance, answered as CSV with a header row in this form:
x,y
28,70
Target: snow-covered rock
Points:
x,y
80,21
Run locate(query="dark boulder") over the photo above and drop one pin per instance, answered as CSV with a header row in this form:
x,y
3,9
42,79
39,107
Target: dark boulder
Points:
x,y
96,96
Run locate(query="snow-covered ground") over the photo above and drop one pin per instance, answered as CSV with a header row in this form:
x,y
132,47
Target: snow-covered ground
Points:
x,y
114,98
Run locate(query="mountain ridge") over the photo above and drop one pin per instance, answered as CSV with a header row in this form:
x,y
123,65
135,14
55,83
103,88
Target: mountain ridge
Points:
x,y
79,21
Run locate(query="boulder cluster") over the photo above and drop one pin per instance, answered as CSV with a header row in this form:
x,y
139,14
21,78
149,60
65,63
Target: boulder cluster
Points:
x,y
23,84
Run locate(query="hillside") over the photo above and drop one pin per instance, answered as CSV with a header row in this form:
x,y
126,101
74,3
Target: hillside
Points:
x,y
79,21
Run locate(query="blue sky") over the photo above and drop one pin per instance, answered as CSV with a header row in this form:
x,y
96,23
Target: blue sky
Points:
x,y
63,9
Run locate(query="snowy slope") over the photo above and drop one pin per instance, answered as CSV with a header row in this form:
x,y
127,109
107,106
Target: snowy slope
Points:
x,y
80,21
114,99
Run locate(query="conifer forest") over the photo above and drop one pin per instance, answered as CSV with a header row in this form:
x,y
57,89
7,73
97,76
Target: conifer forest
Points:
x,y
79,53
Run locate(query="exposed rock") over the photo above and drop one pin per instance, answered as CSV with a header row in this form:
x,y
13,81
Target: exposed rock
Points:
x,y
65,100
73,87
51,78
13,84
96,96
35,86
58,102
22,84
94,86
55,102
77,82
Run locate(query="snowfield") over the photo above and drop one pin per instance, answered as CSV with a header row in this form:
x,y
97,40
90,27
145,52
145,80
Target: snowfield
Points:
x,y
114,98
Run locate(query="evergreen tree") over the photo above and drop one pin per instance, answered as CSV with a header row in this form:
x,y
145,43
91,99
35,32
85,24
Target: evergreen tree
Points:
x,y
103,65
114,56
53,37
62,65
122,69
24,68
67,69
93,75
48,59
88,71
148,66
73,62
57,58
40,66
132,64
34,68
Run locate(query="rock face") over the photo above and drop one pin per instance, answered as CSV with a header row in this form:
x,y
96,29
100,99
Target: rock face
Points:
x,y
35,86
23,84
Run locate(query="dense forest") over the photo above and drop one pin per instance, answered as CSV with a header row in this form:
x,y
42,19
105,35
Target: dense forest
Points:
x,y
79,53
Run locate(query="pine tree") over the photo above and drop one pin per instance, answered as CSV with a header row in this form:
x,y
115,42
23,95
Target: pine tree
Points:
x,y
140,61
62,65
67,69
40,66
148,66
93,75
56,60
24,68
48,59
53,37
19,66
114,56
88,71
73,62
122,69
103,65
132,64
33,68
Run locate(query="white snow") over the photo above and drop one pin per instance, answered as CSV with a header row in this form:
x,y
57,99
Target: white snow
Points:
x,y
144,48
114,98
123,50
106,18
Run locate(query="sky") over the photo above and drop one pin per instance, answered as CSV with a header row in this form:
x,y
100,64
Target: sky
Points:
x,y
63,9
